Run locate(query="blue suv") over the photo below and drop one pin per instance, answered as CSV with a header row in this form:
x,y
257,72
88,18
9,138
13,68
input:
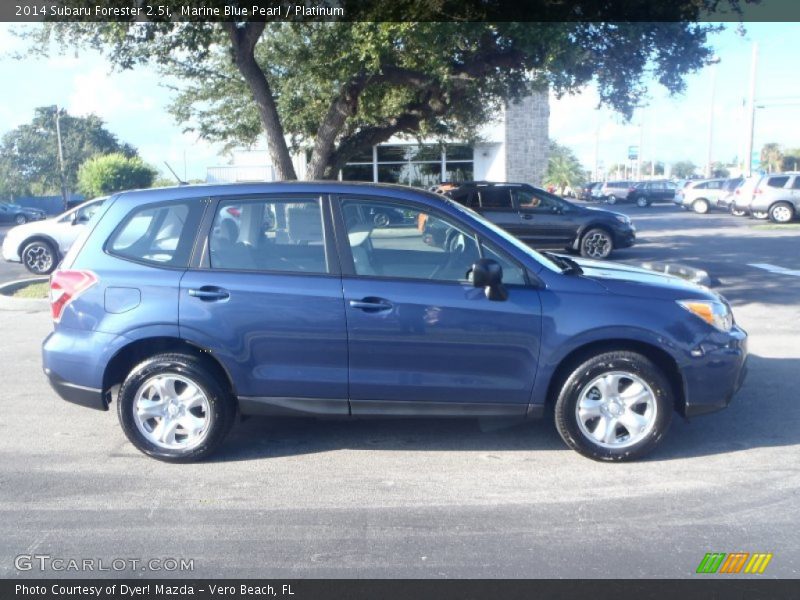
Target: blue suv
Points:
x,y
189,306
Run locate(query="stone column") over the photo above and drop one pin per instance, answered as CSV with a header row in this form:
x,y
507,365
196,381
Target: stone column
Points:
x,y
526,139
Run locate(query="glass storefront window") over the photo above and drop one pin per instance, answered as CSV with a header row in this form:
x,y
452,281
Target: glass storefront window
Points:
x,y
458,172
357,172
414,165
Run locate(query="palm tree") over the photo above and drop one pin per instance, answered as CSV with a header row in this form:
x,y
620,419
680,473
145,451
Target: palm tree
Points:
x,y
563,169
771,157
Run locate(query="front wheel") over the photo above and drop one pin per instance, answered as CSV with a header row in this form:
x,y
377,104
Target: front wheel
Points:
x,y
39,258
596,243
173,408
612,199
782,212
20,219
700,206
616,406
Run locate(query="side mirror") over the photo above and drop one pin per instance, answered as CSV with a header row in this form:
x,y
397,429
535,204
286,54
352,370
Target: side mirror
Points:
x,y
74,218
488,274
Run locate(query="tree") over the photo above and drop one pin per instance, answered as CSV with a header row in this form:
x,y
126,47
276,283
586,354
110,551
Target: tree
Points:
x,y
791,160
684,169
29,154
103,175
563,169
720,171
771,157
338,88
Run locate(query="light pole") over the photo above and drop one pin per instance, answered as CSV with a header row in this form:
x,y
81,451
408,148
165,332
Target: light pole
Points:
x,y
713,62
748,156
60,157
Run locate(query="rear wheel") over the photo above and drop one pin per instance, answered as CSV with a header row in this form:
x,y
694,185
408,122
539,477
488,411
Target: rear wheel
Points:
x,y
596,243
782,212
760,214
20,219
700,206
380,219
172,407
39,257
642,202
737,212
616,406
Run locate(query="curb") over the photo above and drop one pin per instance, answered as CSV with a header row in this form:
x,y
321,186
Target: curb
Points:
x,y
8,302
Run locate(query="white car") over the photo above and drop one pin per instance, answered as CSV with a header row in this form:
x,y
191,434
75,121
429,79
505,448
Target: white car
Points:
x,y
40,245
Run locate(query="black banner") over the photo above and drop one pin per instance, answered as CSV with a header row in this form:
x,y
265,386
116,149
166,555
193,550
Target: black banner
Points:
x,y
400,10
318,589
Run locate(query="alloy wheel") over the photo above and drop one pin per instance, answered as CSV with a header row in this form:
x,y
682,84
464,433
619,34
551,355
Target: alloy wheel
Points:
x,y
781,214
38,258
597,244
616,410
20,220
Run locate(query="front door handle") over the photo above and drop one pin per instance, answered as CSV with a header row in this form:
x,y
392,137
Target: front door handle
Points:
x,y
209,293
526,216
371,304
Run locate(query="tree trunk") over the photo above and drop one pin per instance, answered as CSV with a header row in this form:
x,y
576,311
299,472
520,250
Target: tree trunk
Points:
x,y
243,42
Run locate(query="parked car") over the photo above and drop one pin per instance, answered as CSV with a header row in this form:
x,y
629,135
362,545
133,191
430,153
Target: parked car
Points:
x,y
702,195
14,213
312,316
616,191
645,193
585,192
777,196
743,196
40,245
544,220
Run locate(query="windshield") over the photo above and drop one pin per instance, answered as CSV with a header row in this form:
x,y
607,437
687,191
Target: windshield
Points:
x,y
537,256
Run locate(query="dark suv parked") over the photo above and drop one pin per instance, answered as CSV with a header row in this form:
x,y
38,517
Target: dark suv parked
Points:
x,y
544,220
645,193
302,305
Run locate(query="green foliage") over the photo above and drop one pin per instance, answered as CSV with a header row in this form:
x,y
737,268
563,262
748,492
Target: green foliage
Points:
x,y
111,173
719,170
340,88
563,169
684,169
771,157
29,154
791,160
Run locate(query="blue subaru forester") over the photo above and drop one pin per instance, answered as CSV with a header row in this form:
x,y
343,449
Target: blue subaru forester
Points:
x,y
191,305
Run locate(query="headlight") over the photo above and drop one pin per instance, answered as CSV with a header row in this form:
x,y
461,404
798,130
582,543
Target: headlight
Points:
x,y
623,219
716,314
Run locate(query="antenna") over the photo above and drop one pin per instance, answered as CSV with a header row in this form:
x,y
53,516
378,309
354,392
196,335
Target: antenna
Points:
x,y
180,181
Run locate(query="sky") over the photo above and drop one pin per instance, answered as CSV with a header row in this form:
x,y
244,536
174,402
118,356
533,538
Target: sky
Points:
x,y
134,105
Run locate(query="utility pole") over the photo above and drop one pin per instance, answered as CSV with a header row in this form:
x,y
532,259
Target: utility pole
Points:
x,y
64,197
751,120
714,62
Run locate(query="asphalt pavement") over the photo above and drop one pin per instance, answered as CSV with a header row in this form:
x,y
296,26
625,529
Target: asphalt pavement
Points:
x,y
425,498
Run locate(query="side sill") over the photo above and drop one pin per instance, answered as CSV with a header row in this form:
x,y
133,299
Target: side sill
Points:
x,y
293,407
394,408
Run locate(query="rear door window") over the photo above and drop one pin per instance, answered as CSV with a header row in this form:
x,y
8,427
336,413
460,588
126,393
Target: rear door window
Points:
x,y
495,198
796,184
161,234
777,182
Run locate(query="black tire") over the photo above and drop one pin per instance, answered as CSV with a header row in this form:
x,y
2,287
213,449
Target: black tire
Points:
x,y
20,219
738,212
761,215
701,206
597,243
781,212
566,407
40,258
642,202
221,403
611,199
381,219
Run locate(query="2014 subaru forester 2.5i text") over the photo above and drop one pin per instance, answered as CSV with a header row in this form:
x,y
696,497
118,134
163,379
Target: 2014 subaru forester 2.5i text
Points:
x,y
189,306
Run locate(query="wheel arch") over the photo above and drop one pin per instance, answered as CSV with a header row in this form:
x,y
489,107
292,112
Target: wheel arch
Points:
x,y
583,229
38,237
662,359
130,355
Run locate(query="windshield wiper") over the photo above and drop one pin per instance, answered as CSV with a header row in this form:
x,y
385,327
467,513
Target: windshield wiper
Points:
x,y
569,266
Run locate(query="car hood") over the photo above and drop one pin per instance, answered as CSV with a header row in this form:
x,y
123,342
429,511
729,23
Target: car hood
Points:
x,y
626,280
606,213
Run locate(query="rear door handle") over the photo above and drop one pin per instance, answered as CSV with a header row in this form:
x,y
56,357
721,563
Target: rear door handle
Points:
x,y
208,293
371,304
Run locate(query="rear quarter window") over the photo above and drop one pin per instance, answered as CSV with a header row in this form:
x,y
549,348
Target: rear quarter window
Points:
x,y
777,182
159,234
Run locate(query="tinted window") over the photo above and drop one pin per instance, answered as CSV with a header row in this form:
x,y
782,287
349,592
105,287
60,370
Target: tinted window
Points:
x,y
777,182
714,185
796,184
495,197
424,246
85,213
539,202
268,235
161,234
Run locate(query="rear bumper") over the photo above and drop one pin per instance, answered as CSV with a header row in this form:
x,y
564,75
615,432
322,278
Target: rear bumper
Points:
x,y
77,394
712,380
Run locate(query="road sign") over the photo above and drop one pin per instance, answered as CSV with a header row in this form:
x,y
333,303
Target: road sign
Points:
x,y
633,152
755,160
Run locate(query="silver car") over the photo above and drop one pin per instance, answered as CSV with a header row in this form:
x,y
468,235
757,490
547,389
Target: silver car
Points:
x,y
777,196
700,195
743,196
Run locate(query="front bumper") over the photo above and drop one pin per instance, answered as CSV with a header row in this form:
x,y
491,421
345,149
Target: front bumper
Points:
x,y
625,238
714,375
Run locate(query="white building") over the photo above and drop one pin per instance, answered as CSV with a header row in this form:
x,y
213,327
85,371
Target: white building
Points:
x,y
514,148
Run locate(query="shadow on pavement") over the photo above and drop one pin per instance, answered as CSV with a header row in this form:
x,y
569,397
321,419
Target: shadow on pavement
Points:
x,y
764,413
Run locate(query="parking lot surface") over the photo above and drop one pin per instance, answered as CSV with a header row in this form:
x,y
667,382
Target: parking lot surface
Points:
x,y
417,498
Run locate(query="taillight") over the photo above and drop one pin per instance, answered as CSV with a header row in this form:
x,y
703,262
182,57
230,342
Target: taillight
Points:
x,y
631,190
234,211
65,286
757,191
